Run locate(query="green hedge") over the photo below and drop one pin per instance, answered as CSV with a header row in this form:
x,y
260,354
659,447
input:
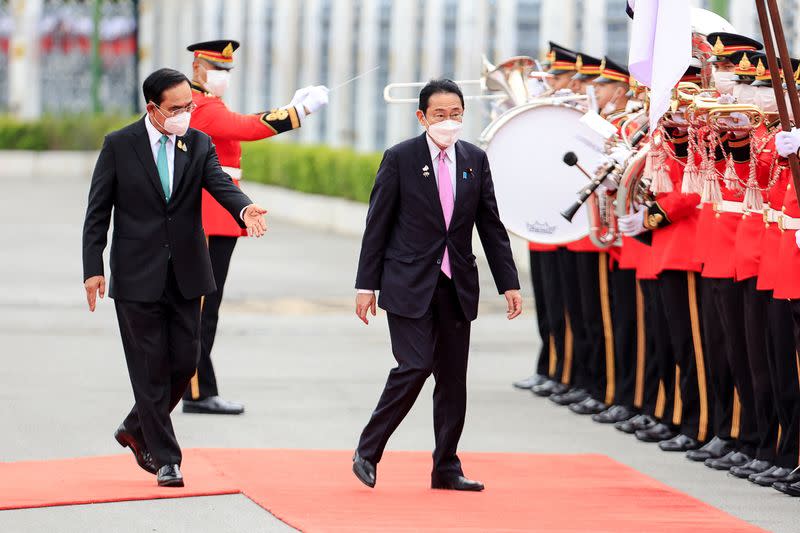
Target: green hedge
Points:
x,y
306,168
73,132
311,168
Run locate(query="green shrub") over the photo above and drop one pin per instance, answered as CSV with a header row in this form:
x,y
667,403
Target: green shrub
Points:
x,y
311,168
69,132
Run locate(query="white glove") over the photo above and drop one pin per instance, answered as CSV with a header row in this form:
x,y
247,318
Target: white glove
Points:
x,y
316,98
299,96
797,238
633,224
787,142
736,120
726,99
619,154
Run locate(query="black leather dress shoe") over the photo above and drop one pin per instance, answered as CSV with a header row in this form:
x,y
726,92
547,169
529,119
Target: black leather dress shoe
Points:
x,y
728,461
569,397
756,466
529,383
679,443
213,405
792,489
170,476
638,422
589,406
456,483
614,414
548,388
770,476
364,471
140,451
656,433
713,449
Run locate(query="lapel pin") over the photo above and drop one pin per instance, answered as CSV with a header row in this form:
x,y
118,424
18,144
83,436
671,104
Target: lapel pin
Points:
x,y
181,145
425,172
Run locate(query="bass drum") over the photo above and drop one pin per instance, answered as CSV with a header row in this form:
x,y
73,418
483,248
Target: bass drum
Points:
x,y
526,147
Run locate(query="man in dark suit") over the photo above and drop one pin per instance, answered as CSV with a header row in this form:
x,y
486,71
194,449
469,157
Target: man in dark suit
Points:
x,y
429,193
151,174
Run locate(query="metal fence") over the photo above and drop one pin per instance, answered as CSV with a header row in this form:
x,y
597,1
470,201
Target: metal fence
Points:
x,y
66,31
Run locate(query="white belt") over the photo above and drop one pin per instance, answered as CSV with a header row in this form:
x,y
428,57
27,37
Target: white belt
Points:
x,y
788,223
726,206
235,173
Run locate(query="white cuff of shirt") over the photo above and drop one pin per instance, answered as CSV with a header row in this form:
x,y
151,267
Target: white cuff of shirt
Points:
x,y
241,213
365,291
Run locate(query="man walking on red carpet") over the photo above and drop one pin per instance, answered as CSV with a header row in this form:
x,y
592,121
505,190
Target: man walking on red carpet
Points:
x,y
429,193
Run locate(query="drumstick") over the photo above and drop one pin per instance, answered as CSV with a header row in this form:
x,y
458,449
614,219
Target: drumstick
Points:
x,y
354,78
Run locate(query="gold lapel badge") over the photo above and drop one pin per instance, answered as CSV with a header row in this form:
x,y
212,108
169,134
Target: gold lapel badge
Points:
x,y
181,145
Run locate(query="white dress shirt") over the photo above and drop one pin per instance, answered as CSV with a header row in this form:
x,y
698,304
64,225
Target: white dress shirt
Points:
x,y
450,161
155,146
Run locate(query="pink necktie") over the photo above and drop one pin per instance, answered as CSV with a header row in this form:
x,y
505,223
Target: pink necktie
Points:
x,y
446,199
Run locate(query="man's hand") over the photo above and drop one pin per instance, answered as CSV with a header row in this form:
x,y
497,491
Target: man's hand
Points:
x,y
365,302
254,220
514,299
94,285
632,224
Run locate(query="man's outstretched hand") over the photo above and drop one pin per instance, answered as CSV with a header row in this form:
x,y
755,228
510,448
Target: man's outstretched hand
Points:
x,y
93,286
514,299
364,303
254,220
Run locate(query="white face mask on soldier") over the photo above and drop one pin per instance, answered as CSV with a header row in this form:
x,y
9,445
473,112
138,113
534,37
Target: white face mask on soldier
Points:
x,y
217,81
725,82
445,133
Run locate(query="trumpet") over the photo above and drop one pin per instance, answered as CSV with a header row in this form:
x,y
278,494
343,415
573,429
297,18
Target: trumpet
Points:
x,y
720,116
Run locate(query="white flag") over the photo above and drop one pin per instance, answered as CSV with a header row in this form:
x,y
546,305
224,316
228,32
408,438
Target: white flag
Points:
x,y
661,49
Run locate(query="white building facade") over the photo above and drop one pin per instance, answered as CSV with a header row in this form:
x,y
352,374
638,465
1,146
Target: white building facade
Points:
x,y
287,44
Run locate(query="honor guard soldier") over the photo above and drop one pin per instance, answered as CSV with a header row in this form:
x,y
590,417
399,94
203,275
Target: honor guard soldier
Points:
x,y
213,61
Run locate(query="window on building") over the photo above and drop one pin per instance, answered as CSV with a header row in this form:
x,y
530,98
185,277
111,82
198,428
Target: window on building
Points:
x,y
528,27
450,21
384,39
617,26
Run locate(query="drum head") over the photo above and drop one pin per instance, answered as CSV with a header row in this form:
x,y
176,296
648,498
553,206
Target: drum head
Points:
x,y
526,146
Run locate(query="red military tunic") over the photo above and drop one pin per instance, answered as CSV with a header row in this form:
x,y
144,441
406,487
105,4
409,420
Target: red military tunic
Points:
x,y
787,284
227,131
769,268
675,216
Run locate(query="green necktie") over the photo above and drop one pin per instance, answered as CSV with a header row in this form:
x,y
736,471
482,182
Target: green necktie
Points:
x,y
163,166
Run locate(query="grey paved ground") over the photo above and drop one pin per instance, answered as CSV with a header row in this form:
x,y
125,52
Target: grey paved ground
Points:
x,y
290,349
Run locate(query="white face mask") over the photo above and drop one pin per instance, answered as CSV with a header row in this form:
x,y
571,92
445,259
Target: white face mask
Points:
x,y
445,133
178,124
744,93
725,82
765,99
217,81
609,108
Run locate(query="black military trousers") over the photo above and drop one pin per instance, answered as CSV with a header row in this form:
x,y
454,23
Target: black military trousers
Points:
x,y
655,390
550,312
789,447
721,385
577,340
436,343
162,344
756,324
680,299
628,320
597,360
729,299
205,384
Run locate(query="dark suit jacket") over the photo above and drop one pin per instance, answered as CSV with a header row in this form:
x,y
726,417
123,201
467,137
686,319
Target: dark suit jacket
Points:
x,y
405,235
148,230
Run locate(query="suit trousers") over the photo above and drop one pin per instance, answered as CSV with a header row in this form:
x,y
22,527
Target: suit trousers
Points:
x,y
436,343
681,304
221,250
550,313
162,344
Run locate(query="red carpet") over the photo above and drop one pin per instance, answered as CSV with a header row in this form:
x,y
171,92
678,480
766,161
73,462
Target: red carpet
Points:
x,y
315,491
